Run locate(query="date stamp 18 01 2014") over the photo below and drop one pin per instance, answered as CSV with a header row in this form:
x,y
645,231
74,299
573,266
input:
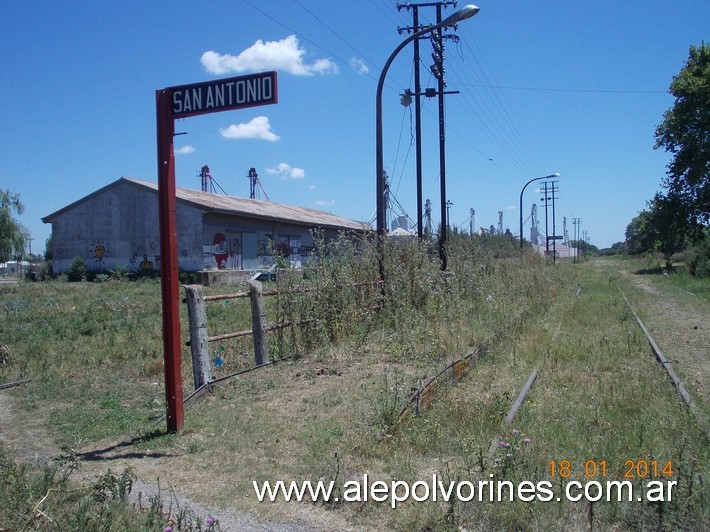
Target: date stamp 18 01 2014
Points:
x,y
632,469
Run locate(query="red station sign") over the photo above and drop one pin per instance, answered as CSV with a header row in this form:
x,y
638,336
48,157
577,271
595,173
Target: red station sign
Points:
x,y
173,103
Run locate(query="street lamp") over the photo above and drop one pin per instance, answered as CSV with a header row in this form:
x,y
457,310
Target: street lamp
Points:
x,y
462,14
551,176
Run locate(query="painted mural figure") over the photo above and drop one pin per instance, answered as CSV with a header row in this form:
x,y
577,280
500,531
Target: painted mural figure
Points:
x,y
222,253
99,252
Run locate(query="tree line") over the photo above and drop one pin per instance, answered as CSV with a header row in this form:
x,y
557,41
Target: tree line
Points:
x,y
676,219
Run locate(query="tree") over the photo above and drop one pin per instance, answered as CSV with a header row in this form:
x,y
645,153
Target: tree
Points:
x,y
685,133
13,235
662,227
670,224
584,247
618,248
48,249
639,236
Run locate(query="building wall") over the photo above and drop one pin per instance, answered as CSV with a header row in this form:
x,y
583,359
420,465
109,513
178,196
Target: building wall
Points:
x,y
119,227
563,251
243,243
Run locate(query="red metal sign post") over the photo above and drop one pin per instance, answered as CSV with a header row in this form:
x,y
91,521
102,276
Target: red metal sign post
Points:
x,y
167,206
180,102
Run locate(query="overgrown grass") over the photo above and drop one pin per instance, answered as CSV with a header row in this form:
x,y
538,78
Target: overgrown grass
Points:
x,y
94,350
45,498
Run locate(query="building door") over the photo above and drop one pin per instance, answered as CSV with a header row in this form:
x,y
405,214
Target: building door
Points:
x,y
249,256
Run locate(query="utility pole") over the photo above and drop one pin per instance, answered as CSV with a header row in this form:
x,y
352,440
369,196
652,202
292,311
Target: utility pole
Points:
x,y
547,234
386,179
437,40
577,222
549,190
437,68
417,112
471,222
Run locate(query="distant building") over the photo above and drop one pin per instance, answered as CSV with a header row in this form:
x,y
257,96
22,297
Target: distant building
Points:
x,y
117,225
401,232
14,268
400,222
562,251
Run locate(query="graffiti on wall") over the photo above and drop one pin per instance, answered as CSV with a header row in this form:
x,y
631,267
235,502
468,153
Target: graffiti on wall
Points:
x,y
289,249
144,264
99,249
223,252
286,248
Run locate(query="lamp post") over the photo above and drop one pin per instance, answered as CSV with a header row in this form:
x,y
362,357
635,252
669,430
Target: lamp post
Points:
x,y
462,14
551,176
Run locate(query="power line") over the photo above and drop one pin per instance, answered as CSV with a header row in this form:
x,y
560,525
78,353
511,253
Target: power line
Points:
x,y
338,35
496,115
302,36
377,4
554,89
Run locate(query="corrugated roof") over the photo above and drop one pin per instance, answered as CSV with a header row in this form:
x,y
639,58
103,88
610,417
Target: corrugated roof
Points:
x,y
251,208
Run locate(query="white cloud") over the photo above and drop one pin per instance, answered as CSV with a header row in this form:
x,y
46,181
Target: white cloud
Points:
x,y
358,65
258,128
185,150
270,55
286,171
324,203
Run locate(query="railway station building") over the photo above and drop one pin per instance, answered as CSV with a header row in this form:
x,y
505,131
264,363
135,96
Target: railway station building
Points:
x,y
117,226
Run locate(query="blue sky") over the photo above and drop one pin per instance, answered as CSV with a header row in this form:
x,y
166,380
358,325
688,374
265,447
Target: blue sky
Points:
x,y
548,86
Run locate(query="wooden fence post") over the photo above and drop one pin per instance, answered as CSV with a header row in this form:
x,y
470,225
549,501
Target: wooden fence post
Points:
x,y
197,317
258,323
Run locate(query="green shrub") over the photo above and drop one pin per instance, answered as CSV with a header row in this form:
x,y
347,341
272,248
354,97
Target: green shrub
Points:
x,y
698,259
119,273
78,271
187,277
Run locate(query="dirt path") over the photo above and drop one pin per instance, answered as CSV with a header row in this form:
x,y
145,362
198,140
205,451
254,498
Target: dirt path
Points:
x,y
25,437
